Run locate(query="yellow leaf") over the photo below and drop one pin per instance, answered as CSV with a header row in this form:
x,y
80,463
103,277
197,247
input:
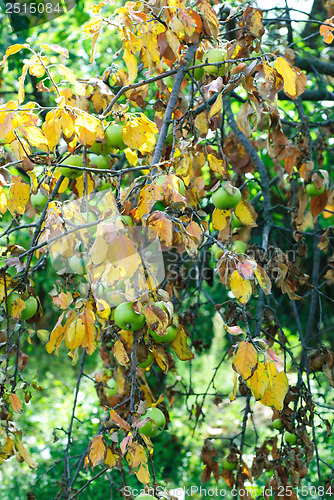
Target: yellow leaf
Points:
x,y
89,342
263,279
245,359
241,288
97,451
19,194
20,149
3,201
137,460
219,218
131,63
17,307
57,335
217,107
35,137
277,387
67,125
216,164
52,129
55,48
111,458
21,93
161,358
131,156
25,454
75,334
15,402
245,213
120,353
150,53
86,127
180,345
163,226
12,50
139,133
123,253
68,73
259,381
84,187
233,393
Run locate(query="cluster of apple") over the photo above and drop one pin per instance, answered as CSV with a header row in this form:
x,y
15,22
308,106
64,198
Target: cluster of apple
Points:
x,y
227,197
99,153
127,319
211,56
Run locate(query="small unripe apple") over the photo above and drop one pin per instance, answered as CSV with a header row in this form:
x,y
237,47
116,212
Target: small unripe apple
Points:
x,y
223,200
114,139
153,427
148,361
111,387
38,201
212,56
228,465
235,222
239,247
99,148
167,338
197,73
99,161
312,190
277,424
76,264
126,318
290,438
76,161
217,251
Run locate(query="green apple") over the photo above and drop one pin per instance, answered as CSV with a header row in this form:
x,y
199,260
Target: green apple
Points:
x,y
169,81
217,251
31,305
235,222
126,318
76,264
76,161
167,337
114,138
197,73
148,361
127,220
290,438
277,424
223,200
38,201
228,465
214,56
239,247
312,190
111,388
99,148
99,161
156,425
